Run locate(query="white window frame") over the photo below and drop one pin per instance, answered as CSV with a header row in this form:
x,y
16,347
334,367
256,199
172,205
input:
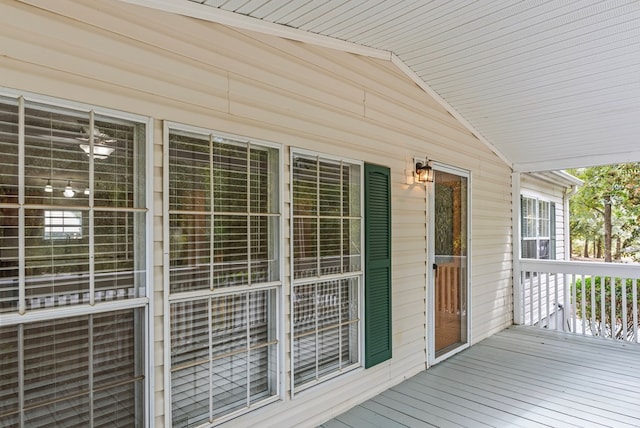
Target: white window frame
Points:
x,y
296,390
144,301
170,298
62,224
538,219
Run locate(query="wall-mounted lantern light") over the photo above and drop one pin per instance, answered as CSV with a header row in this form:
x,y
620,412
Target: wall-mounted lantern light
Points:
x,y
424,171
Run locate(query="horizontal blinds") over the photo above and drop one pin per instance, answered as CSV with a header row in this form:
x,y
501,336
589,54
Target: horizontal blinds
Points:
x,y
66,362
9,256
224,234
231,250
529,218
9,220
72,224
305,186
543,219
230,178
264,265
114,254
223,212
326,242
305,247
190,250
189,172
9,362
330,188
53,155
83,206
326,217
115,182
222,348
9,149
325,324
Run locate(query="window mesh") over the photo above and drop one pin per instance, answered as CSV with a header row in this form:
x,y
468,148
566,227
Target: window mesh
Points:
x,y
72,368
71,233
64,236
326,244
224,232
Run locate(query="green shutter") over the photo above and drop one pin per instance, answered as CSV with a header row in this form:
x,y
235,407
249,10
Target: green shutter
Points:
x,y
552,231
377,289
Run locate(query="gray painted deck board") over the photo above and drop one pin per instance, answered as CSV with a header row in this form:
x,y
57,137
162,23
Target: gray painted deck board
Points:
x,y
521,377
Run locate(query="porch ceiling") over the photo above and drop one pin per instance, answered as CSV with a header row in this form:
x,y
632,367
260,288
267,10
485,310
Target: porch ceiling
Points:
x,y
549,85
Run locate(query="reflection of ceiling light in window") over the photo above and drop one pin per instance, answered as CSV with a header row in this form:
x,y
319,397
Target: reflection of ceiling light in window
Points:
x,y
48,187
100,151
87,191
68,191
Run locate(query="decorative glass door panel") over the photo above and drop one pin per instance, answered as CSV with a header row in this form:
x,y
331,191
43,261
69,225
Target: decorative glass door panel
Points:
x,y
450,234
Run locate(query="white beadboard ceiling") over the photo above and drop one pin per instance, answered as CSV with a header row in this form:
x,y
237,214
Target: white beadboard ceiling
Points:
x,y
550,84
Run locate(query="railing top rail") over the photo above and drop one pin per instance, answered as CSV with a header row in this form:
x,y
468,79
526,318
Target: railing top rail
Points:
x,y
622,270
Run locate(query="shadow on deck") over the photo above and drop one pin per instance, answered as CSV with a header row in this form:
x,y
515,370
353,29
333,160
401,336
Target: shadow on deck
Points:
x,y
520,377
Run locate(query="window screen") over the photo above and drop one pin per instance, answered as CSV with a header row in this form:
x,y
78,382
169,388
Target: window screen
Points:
x,y
224,221
327,271
72,233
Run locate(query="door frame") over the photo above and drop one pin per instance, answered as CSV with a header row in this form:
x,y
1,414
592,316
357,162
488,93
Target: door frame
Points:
x,y
430,287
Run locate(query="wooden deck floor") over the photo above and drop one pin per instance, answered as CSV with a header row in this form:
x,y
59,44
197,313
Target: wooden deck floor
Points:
x,y
521,377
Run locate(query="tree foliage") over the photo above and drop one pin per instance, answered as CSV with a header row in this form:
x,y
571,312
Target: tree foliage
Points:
x,y
607,208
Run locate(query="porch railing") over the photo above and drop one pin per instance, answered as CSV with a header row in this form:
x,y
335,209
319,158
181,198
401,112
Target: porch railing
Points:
x,y
595,299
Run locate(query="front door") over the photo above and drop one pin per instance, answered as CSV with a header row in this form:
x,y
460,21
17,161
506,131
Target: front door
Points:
x,y
448,285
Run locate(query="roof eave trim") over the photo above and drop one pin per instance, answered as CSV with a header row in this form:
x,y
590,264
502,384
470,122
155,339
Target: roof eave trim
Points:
x,y
577,162
425,87
224,17
213,14
560,177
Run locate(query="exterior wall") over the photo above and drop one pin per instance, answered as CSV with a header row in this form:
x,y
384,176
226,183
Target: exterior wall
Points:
x,y
183,70
536,188
541,307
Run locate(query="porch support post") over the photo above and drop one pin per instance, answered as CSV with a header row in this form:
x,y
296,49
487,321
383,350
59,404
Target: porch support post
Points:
x,y
515,245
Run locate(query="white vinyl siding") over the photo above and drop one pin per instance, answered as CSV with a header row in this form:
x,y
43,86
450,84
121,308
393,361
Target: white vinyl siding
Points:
x,y
224,275
542,213
179,69
73,273
327,267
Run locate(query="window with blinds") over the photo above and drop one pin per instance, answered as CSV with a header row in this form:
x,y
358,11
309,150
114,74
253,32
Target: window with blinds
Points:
x,y
72,233
224,274
327,267
73,372
538,228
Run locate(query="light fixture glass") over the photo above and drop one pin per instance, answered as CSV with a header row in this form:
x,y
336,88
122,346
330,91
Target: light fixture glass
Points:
x,y
100,151
48,187
68,190
424,171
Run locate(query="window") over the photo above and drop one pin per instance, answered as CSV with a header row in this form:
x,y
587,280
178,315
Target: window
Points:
x,y
224,274
62,224
538,229
72,242
327,267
